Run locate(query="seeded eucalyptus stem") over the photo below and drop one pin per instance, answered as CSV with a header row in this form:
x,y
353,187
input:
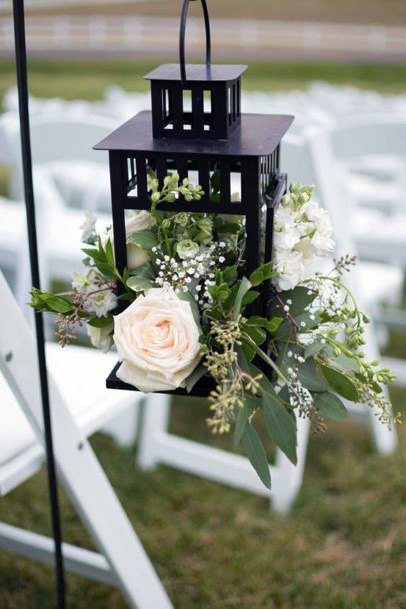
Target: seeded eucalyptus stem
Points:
x,y
265,357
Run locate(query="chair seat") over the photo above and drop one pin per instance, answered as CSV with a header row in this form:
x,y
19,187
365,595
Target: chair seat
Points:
x,y
82,184
378,284
64,255
380,236
12,225
79,373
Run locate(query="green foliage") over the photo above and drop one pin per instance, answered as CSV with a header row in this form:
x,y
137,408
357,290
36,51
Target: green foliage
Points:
x,y
139,284
243,288
262,273
270,325
256,454
331,406
340,383
146,239
280,426
310,376
194,377
43,301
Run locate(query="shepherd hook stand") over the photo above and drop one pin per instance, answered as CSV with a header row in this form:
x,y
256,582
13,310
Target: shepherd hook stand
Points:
x,y
21,67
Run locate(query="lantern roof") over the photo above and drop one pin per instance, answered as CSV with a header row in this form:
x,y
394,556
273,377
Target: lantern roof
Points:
x,y
197,72
260,134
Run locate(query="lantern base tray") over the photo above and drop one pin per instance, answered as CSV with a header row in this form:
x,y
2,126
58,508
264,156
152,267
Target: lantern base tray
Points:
x,y
201,389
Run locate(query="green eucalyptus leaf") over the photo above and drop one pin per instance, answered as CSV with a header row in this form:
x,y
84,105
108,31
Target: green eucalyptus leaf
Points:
x,y
340,383
313,348
301,298
251,404
257,334
100,322
139,284
310,377
280,426
331,406
146,270
193,378
347,362
256,454
146,239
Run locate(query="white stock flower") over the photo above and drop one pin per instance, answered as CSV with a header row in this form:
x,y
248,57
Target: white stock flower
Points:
x,y
287,237
101,338
88,228
100,302
291,268
302,233
157,339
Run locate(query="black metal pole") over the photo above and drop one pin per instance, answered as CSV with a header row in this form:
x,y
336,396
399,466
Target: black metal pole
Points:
x,y
21,64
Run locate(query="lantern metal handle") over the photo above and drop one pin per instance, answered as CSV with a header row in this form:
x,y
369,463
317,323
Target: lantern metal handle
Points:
x,y
183,33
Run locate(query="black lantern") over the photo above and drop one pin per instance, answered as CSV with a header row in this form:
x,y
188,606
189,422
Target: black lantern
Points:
x,y
209,136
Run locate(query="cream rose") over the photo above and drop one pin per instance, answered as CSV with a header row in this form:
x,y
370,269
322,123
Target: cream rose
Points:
x,y
157,339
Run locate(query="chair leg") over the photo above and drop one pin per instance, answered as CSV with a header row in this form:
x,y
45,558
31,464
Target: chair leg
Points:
x,y
287,479
123,428
101,512
154,424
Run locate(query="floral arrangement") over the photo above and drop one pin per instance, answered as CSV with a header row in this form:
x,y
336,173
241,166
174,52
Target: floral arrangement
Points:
x,y
189,314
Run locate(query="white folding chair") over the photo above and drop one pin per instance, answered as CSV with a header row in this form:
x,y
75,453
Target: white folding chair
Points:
x,y
122,561
65,144
58,236
371,151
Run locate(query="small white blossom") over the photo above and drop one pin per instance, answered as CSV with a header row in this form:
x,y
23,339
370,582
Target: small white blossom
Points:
x,y
89,228
101,303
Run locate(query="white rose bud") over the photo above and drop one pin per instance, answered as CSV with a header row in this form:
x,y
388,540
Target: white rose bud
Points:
x,y
136,256
101,338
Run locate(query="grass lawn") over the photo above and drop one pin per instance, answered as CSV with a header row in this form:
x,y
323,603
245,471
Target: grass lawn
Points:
x,y
391,12
88,79
341,547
